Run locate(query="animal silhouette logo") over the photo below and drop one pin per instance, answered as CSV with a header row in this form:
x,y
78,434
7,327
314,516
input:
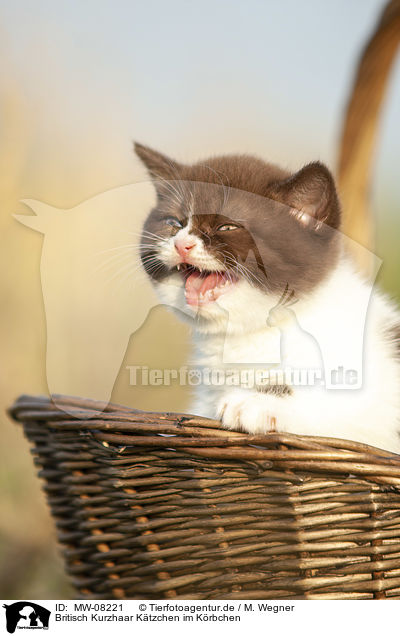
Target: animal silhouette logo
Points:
x,y
96,293
283,317
26,615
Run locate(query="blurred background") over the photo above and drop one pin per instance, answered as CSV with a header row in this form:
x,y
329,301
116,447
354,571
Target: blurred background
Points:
x,y
80,81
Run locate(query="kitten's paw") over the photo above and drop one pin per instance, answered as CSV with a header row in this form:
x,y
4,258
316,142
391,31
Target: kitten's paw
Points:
x,y
244,411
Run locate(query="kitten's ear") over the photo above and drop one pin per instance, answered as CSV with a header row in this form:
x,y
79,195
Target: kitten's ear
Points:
x,y
158,165
311,195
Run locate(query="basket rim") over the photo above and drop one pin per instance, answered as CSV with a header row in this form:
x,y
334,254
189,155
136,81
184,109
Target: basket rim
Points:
x,y
122,426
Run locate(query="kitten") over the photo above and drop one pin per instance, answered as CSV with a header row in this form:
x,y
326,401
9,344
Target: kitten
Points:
x,y
250,251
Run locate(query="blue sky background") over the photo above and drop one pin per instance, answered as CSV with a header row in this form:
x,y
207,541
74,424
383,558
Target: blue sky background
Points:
x,y
192,79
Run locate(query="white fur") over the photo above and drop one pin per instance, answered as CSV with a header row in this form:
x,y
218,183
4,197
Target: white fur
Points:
x,y
244,326
199,257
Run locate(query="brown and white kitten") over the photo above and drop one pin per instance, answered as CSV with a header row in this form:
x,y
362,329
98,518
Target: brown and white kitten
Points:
x,y
233,242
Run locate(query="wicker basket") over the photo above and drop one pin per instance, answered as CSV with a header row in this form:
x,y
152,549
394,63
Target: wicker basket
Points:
x,y
163,505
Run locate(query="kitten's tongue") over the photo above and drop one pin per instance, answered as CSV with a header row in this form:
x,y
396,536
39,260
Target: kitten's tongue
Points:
x,y
204,288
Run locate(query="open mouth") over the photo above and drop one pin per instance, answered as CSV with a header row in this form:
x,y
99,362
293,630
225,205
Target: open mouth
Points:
x,y
203,287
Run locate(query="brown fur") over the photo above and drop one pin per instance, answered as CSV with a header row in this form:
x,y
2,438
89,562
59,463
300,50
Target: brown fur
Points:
x,y
259,197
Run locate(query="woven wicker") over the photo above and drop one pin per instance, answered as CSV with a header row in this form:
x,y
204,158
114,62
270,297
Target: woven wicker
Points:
x,y
164,505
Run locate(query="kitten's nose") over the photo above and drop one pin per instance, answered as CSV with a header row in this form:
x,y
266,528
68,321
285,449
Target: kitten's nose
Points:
x,y
184,245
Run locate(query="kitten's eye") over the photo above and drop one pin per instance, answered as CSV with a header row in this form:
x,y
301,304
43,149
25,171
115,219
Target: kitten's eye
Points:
x,y
173,221
227,227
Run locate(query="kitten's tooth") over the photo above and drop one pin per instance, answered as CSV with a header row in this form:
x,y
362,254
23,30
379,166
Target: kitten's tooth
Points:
x,y
178,267
201,296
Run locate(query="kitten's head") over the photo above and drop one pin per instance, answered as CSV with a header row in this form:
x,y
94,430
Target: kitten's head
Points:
x,y
231,232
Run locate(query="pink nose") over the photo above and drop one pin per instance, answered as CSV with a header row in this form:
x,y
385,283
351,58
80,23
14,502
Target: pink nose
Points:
x,y
184,245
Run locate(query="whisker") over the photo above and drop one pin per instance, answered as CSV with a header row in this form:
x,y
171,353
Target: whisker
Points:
x,y
113,260
118,247
122,252
172,185
284,294
144,276
149,235
225,191
246,273
131,268
289,298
